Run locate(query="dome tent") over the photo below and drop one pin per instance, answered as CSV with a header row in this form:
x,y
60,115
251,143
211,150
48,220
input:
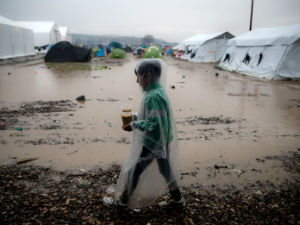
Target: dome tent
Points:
x,y
138,50
117,53
64,51
115,44
102,52
270,53
152,52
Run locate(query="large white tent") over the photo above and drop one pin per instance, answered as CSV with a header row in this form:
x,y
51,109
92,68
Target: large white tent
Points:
x,y
270,53
65,34
205,47
45,33
15,41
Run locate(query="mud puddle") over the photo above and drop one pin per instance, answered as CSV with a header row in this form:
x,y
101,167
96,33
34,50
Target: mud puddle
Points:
x,y
225,123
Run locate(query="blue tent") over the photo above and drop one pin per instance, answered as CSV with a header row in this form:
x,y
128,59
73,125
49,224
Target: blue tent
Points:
x,y
101,52
107,49
115,44
169,51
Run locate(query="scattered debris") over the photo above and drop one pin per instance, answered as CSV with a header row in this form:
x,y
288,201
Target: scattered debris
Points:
x,y
25,160
81,98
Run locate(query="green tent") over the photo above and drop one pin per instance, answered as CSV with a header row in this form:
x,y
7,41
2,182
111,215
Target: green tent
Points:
x,y
117,53
152,52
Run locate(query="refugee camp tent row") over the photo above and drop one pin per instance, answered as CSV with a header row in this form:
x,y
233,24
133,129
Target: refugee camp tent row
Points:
x,y
65,34
15,40
46,33
205,47
270,53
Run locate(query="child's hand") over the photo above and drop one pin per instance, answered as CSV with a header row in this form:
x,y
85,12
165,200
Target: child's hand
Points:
x,y
127,128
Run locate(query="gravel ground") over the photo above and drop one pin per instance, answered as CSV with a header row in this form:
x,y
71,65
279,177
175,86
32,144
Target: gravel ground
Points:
x,y
37,195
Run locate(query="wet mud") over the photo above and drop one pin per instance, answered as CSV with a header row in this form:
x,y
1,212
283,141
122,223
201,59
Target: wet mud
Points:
x,y
238,143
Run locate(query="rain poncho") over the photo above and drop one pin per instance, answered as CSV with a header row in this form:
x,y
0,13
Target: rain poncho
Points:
x,y
153,149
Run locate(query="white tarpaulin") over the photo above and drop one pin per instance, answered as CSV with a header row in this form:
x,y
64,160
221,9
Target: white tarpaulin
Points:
x,y
16,41
270,53
45,32
65,34
205,47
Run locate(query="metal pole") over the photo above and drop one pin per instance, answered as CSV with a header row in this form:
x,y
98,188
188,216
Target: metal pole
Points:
x,y
251,15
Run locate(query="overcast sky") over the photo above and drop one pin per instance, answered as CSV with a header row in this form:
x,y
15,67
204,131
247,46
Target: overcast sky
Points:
x,y
172,20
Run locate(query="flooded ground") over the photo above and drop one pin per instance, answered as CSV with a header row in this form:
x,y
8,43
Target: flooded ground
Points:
x,y
232,129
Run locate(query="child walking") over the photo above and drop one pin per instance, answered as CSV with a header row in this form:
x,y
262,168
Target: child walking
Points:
x,y
152,166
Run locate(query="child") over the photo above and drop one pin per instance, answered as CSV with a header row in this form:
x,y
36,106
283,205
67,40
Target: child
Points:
x,y
151,168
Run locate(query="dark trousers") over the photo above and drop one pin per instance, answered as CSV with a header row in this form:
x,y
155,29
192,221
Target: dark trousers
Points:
x,y
144,161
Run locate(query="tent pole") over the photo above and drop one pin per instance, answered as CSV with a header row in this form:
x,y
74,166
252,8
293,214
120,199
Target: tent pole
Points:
x,y
251,15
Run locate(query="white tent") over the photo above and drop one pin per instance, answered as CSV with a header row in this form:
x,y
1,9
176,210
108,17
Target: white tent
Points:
x,y
271,53
45,33
15,41
65,34
205,47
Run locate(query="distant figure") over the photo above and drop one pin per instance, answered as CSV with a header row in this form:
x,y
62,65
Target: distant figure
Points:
x,y
227,57
247,59
260,58
178,55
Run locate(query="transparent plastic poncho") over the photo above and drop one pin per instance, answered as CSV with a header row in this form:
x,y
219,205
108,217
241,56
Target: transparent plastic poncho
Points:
x,y
154,130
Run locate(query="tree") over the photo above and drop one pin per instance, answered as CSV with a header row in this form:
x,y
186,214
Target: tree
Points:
x,y
147,39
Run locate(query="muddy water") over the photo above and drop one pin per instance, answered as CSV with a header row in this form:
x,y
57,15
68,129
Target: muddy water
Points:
x,y
227,124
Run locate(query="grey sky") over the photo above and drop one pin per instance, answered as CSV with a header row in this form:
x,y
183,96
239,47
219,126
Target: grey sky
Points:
x,y
173,20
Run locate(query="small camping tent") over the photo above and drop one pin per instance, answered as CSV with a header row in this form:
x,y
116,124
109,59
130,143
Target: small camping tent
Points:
x,y
65,52
169,50
205,47
102,52
138,51
117,53
16,41
152,52
271,53
45,33
115,44
127,48
65,34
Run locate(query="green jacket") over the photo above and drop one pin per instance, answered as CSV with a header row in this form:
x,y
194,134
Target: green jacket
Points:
x,y
157,121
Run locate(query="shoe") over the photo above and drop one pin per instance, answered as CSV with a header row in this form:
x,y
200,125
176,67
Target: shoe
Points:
x,y
172,202
109,201
122,204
